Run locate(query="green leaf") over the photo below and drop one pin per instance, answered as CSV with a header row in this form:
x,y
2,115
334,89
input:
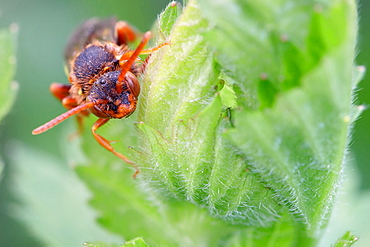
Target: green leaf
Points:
x,y
181,117
350,212
129,210
40,206
8,88
189,53
263,173
152,212
302,140
347,240
167,19
294,126
137,242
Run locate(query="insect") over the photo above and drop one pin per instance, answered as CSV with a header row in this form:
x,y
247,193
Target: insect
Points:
x,y
103,75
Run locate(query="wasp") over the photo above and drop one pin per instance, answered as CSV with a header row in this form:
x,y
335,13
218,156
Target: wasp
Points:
x,y
103,74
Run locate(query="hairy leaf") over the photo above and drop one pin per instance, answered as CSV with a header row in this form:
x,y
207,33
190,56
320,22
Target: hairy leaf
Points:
x,y
242,127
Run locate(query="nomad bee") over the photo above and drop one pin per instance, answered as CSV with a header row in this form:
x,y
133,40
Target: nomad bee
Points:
x,y
103,74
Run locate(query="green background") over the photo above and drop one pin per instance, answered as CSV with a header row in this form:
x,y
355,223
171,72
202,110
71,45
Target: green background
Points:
x,y
44,29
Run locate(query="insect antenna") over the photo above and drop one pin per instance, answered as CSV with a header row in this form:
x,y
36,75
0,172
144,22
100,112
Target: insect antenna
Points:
x,y
63,117
127,65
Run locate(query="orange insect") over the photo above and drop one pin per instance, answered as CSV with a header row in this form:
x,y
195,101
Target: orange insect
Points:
x,y
103,76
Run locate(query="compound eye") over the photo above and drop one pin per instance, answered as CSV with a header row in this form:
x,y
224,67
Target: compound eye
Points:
x,y
133,84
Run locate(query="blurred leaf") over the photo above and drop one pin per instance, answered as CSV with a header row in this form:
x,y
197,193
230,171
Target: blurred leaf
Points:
x,y
346,241
137,242
57,213
8,88
350,212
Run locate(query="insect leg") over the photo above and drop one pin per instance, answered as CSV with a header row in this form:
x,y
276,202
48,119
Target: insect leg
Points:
x,y
142,67
106,144
125,33
131,56
128,54
60,91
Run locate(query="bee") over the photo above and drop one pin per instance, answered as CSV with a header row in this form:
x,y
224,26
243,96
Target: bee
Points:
x,y
103,74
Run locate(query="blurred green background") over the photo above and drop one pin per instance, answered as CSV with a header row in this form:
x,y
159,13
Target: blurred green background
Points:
x,y
44,27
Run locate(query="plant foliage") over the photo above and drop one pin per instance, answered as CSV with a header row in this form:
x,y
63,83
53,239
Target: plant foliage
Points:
x,y
8,88
242,128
